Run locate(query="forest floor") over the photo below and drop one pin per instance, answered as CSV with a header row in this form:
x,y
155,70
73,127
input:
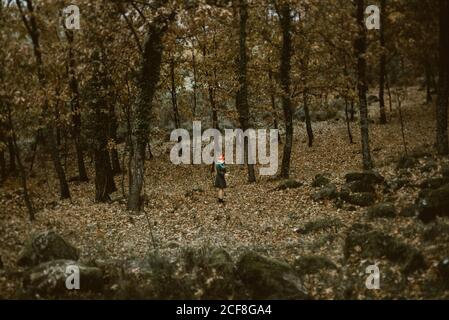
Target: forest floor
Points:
x,y
182,209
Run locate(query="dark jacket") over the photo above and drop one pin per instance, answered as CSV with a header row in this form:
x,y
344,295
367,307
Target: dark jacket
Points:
x,y
220,181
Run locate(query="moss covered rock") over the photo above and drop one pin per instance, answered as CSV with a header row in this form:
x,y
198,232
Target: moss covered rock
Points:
x,y
382,210
50,278
362,199
45,246
434,203
370,177
368,243
267,278
289,184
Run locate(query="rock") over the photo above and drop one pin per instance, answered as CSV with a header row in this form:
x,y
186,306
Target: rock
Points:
x,y
289,184
435,203
361,186
221,274
220,260
319,225
443,271
398,183
46,246
375,245
320,181
409,211
363,199
326,193
382,210
370,177
49,278
313,264
270,279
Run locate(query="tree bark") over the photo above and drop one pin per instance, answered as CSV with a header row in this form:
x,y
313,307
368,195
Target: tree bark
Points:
x,y
383,62
285,80
360,48
242,93
174,96
146,84
308,120
443,82
76,110
194,68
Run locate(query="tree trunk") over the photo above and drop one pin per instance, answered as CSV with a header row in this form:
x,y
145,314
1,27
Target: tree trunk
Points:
x,y
308,120
115,161
443,84
146,84
194,83
242,94
285,80
273,102
348,125
383,62
174,96
76,110
360,47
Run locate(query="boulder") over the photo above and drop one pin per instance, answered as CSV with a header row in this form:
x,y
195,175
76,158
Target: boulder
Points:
x,y
289,184
361,186
49,278
367,243
362,199
45,246
382,210
267,278
320,181
370,177
319,225
326,193
435,203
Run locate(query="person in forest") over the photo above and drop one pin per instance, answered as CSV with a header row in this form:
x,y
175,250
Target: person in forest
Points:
x,y
220,181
